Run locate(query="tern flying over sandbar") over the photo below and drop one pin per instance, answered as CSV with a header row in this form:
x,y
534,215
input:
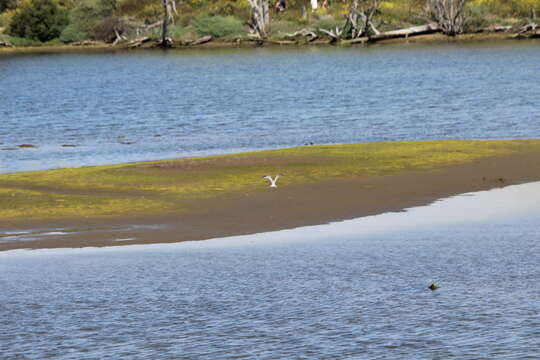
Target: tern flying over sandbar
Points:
x,y
273,182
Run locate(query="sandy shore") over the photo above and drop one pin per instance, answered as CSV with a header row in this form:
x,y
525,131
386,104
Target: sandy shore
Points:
x,y
287,206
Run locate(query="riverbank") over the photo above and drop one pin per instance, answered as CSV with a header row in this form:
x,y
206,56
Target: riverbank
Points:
x,y
421,39
218,196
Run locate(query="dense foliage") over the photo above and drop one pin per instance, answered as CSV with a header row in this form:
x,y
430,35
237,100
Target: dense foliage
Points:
x,y
219,26
85,17
41,20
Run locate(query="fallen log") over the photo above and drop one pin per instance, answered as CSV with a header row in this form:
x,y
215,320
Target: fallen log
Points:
x,y
497,29
334,35
311,35
87,43
280,42
5,44
198,41
528,31
138,42
360,40
527,28
408,32
202,40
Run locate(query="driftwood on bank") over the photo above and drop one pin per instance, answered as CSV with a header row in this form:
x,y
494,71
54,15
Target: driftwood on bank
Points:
x,y
138,42
493,29
408,32
280,42
527,28
5,44
529,31
199,41
119,37
87,43
311,35
334,35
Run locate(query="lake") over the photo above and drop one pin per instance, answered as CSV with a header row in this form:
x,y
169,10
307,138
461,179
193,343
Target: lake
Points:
x,y
83,109
350,290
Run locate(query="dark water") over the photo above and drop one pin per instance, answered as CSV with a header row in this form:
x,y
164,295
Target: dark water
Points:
x,y
318,293
163,105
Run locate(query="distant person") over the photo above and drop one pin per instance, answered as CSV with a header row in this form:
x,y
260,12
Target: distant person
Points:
x,y
280,6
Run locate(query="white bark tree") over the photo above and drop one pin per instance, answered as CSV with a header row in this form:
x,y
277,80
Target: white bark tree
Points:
x,y
363,17
448,14
260,17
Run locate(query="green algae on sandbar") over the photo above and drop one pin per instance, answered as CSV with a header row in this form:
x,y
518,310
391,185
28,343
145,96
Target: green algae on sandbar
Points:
x,y
159,187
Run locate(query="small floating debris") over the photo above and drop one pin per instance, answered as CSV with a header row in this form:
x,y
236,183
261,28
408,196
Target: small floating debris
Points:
x,y
158,135
433,287
27,146
121,137
69,145
127,142
125,239
9,149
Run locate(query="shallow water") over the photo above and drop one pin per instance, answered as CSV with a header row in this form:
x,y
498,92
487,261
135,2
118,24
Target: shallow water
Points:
x,y
318,292
128,106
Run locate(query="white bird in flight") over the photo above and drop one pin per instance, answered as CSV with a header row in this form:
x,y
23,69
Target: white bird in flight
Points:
x,y
273,182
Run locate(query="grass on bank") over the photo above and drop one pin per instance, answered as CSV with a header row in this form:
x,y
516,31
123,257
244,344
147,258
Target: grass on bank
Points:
x,y
164,186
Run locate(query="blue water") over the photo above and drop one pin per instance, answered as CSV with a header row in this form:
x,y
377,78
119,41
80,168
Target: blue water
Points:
x,y
317,293
128,106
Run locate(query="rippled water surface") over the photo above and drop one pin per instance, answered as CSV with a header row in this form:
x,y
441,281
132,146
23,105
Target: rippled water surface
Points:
x,y
316,293
149,105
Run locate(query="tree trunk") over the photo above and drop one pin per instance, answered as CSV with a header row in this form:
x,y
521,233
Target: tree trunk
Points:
x,y
260,17
169,8
266,12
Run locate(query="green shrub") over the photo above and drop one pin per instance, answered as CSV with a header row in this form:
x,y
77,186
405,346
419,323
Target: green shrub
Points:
x,y
17,41
72,33
54,42
40,20
280,27
507,8
107,29
329,23
476,17
177,31
86,17
219,26
5,18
